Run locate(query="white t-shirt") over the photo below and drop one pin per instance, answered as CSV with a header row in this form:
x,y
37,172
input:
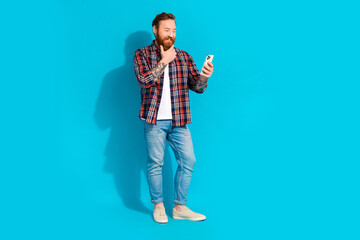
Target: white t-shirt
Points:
x,y
165,103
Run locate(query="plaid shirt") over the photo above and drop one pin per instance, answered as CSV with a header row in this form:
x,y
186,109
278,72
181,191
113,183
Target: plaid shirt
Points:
x,y
183,76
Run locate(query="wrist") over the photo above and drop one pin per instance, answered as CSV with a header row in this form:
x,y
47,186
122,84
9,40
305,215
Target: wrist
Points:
x,y
164,61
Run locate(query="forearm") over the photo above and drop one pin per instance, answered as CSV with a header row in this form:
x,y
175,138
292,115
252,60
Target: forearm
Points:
x,y
158,69
149,78
201,84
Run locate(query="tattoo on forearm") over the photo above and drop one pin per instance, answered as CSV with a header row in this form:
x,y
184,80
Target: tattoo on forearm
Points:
x,y
201,84
198,85
158,70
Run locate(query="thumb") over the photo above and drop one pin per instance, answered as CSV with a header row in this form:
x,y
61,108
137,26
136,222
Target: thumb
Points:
x,y
161,48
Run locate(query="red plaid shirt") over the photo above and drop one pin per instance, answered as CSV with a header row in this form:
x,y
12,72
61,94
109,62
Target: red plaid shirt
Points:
x,y
183,76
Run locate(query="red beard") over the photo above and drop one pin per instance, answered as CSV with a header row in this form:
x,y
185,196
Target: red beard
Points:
x,y
163,41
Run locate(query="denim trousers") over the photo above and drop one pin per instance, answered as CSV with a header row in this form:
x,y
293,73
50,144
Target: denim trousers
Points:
x,y
179,138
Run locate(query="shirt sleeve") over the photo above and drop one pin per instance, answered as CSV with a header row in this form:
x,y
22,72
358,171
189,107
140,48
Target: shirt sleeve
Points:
x,y
194,77
142,72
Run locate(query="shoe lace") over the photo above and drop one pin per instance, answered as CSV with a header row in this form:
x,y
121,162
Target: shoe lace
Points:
x,y
161,211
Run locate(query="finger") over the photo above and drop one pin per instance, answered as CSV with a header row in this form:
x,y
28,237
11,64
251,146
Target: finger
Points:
x,y
207,67
205,75
205,71
161,48
210,64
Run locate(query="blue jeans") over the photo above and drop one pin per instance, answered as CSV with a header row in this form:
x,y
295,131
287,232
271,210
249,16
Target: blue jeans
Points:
x,y
179,139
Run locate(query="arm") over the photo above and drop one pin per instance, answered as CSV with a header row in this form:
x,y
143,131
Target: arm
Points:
x,y
197,82
146,77
158,69
199,85
202,84
149,77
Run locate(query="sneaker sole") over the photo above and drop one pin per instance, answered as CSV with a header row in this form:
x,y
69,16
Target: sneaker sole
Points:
x,y
161,221
191,219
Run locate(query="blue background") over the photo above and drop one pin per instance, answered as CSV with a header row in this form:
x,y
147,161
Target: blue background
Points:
x,y
276,133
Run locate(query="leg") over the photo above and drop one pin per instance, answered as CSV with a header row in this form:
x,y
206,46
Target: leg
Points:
x,y
155,138
180,141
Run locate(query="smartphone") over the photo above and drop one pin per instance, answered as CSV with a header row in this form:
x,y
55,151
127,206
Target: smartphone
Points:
x,y
208,58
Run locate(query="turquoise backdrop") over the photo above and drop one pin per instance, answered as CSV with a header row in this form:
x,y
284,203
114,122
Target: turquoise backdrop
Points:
x,y
276,133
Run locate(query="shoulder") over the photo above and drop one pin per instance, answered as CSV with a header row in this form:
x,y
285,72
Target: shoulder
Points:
x,y
144,50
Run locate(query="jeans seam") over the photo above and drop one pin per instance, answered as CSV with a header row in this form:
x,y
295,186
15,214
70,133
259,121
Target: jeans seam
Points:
x,y
181,165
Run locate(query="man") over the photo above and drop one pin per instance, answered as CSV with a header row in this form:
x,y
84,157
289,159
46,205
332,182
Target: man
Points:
x,y
166,74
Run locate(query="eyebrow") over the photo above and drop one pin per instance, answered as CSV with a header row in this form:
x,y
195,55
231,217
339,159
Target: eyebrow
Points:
x,y
169,28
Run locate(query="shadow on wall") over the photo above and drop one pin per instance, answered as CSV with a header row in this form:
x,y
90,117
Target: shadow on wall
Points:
x,y
117,109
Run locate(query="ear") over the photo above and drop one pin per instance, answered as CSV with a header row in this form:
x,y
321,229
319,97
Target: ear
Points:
x,y
154,29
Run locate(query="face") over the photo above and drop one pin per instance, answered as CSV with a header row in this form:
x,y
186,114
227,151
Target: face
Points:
x,y
166,33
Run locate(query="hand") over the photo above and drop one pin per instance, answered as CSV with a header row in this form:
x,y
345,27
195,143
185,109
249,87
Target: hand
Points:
x,y
169,55
207,70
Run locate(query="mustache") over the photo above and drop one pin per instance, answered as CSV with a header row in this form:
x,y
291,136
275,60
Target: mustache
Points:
x,y
170,38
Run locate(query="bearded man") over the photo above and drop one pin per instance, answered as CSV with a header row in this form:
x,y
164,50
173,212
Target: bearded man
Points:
x,y
165,74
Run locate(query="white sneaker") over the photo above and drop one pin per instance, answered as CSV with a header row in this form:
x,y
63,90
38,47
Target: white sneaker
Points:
x,y
186,213
160,215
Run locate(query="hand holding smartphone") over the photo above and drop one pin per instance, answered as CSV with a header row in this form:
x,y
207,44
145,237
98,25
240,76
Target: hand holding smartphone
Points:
x,y
208,58
207,70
